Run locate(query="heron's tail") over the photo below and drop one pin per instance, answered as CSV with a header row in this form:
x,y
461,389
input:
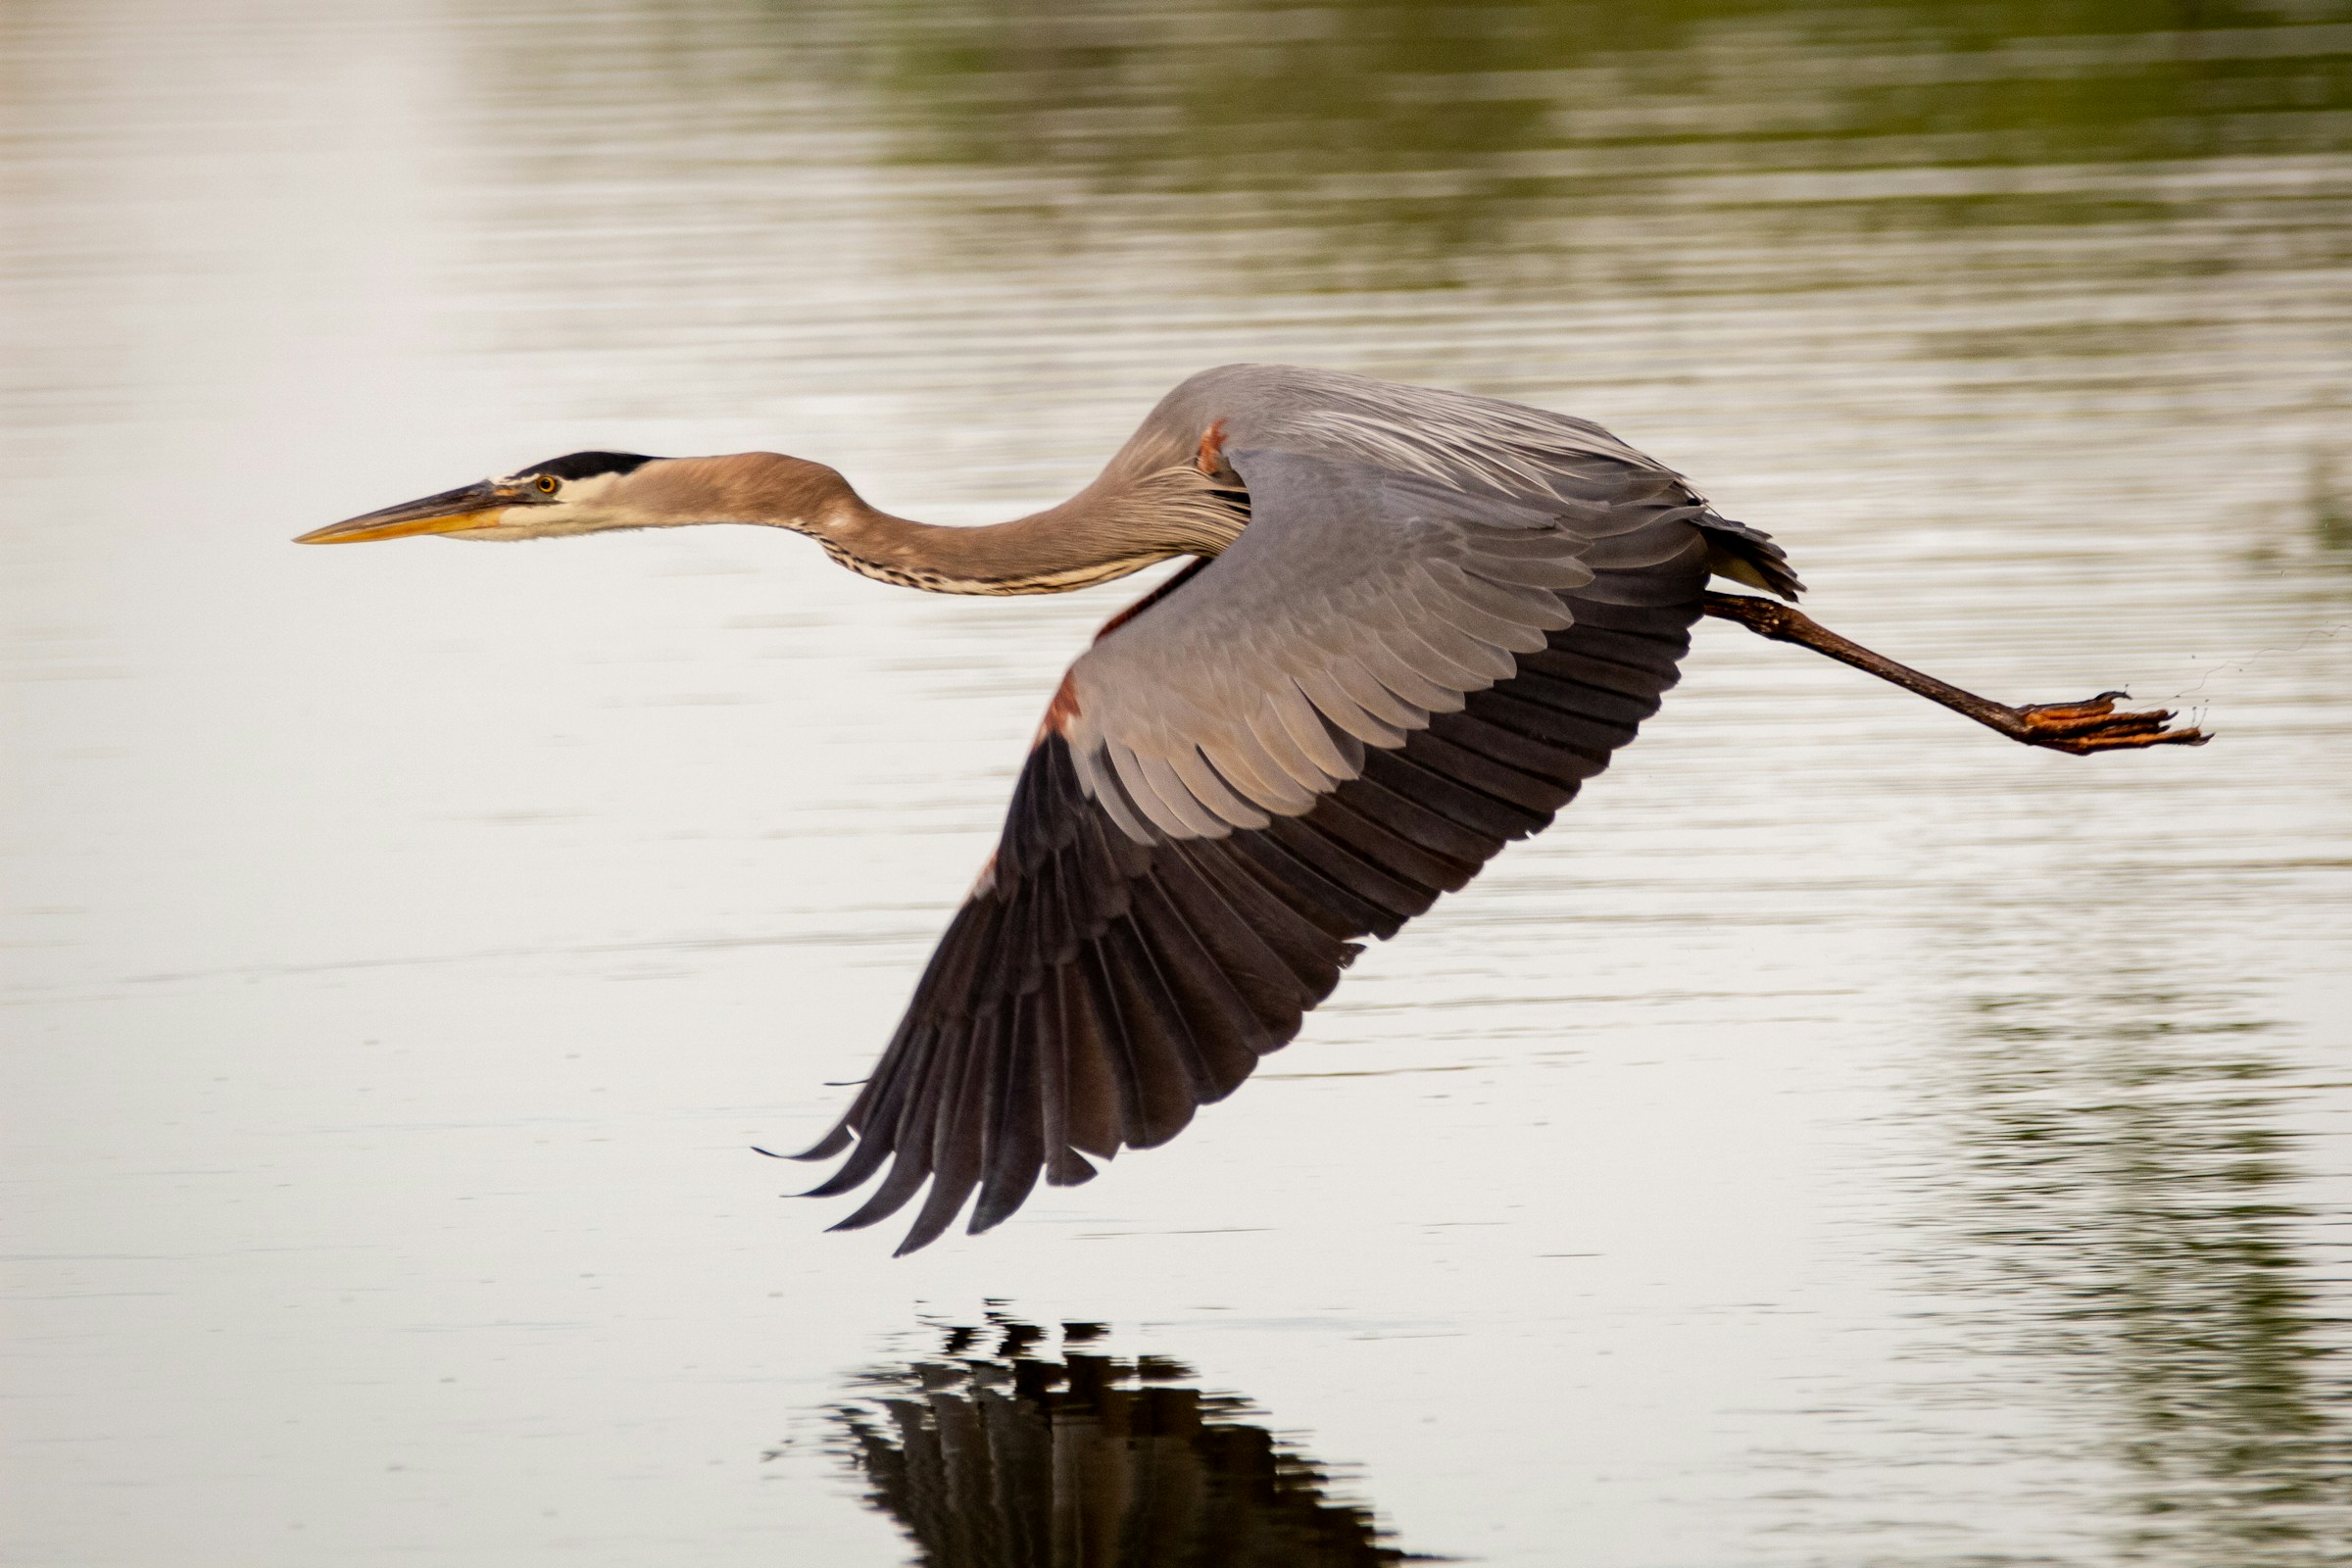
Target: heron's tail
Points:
x,y
1749,556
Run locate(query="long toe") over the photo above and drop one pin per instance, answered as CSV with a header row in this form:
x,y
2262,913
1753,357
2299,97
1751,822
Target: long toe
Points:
x,y
2132,739
2082,729
2073,718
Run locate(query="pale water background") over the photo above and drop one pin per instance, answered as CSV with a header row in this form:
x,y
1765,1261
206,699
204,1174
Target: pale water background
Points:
x,y
1845,1139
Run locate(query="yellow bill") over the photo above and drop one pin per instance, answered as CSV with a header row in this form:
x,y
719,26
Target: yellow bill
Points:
x,y
459,511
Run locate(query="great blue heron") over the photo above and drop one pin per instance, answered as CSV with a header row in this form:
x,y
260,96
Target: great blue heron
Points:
x,y
1416,621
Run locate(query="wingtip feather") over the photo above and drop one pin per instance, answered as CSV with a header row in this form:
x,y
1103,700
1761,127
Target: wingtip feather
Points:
x,y
826,1147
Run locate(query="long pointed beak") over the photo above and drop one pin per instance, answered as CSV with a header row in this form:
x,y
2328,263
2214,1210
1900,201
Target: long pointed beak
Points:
x,y
459,511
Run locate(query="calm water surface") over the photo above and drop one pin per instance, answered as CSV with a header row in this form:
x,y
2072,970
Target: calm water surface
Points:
x,y
1843,1139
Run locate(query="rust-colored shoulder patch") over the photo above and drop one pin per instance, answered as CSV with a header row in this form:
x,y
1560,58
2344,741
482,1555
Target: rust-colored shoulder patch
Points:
x,y
1060,711
1210,458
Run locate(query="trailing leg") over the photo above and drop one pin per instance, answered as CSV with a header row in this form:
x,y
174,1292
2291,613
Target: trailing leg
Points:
x,y
2080,728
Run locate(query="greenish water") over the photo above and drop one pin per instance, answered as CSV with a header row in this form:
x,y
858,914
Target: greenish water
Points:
x,y
1843,1140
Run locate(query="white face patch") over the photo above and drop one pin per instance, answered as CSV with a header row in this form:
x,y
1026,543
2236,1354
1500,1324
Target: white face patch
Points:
x,y
590,491
572,491
586,505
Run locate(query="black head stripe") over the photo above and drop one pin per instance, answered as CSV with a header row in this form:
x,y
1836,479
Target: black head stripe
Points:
x,y
587,465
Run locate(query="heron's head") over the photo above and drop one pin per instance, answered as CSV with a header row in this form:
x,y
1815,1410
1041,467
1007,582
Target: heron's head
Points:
x,y
593,492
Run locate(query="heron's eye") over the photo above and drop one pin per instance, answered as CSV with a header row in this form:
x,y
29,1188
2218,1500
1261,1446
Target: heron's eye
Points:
x,y
547,484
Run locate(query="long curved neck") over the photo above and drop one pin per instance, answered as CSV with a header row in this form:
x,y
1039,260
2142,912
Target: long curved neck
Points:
x,y
1121,523
1091,538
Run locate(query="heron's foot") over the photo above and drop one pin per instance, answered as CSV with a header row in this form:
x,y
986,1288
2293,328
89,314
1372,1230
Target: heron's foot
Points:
x,y
2082,729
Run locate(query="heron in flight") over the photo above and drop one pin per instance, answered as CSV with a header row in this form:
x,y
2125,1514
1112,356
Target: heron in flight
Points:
x,y
1414,622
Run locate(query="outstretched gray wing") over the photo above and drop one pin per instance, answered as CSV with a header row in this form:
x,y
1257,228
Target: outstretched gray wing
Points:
x,y
1299,744
1359,603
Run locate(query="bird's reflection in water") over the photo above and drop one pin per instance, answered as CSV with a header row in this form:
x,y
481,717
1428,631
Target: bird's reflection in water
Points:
x,y
995,1454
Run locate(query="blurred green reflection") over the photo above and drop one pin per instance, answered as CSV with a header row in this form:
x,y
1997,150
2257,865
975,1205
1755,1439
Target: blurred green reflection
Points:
x,y
1383,144
2129,1196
